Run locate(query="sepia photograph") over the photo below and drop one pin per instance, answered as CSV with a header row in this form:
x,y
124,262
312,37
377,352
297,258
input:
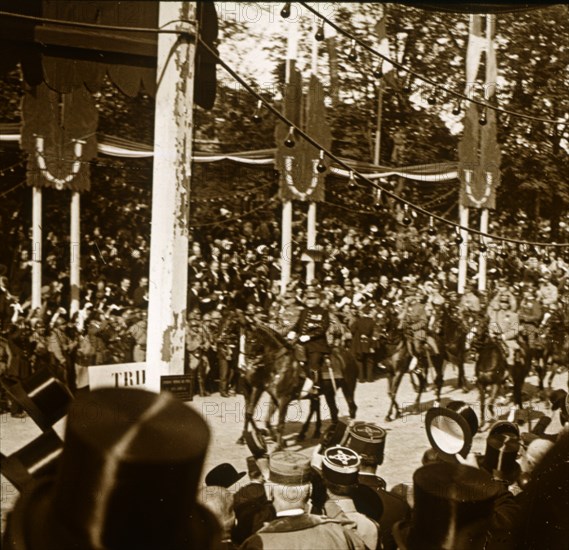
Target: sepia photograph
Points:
x,y
284,275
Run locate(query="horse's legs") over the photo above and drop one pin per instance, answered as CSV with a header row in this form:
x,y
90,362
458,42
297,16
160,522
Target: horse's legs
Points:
x,y
318,425
393,394
328,392
282,407
349,396
482,393
439,368
251,399
314,409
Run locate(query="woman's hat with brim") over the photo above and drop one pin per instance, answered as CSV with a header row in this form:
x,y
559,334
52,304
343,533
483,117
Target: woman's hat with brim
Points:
x,y
453,509
450,429
127,478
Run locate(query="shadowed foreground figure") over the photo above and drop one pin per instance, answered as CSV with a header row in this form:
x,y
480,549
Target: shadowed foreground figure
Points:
x,y
127,478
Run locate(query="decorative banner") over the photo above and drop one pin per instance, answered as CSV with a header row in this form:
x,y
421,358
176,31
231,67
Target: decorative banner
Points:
x,y
299,177
476,45
59,135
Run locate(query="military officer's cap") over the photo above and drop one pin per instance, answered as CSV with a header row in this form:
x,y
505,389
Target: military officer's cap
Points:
x,y
289,468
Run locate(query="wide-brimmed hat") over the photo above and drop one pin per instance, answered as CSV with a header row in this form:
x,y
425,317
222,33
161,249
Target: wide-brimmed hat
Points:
x,y
368,440
453,509
223,475
450,429
127,478
44,397
499,459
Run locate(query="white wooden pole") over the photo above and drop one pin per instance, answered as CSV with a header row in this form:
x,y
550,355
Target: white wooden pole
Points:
x,y
36,246
311,241
75,253
484,215
463,250
170,194
286,244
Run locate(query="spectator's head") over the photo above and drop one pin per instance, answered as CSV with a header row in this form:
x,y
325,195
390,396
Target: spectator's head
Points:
x,y
453,508
290,475
141,457
219,501
534,453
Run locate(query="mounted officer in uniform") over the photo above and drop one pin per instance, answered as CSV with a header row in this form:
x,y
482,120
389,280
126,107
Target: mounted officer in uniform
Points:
x,y
310,331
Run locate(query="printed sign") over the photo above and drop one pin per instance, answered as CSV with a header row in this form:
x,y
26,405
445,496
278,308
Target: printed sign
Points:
x,y
121,375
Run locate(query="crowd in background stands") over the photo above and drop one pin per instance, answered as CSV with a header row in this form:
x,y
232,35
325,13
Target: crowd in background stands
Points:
x,y
234,267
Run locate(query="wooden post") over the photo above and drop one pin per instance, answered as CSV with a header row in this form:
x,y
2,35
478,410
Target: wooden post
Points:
x,y
311,241
484,214
286,244
75,253
463,249
171,193
36,246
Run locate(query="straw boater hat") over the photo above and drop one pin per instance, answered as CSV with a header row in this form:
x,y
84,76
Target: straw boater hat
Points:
x,y
126,478
453,509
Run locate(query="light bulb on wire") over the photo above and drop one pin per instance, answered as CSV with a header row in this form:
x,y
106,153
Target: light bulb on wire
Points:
x,y
257,114
406,218
321,167
482,246
378,70
353,54
289,141
432,99
456,108
319,36
285,12
483,117
431,230
407,84
458,237
352,181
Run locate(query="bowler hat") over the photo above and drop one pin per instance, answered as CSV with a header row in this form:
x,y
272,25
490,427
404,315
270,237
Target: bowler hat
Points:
x,y
499,459
340,466
450,429
126,478
453,509
289,468
368,440
44,397
223,475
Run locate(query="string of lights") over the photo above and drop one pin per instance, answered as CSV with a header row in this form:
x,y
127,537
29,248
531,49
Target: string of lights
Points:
x,y
17,186
352,56
295,130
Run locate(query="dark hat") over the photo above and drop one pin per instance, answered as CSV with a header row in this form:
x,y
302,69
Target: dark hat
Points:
x,y
505,427
256,444
453,509
340,466
500,457
223,475
45,398
450,429
368,440
126,478
334,435
311,292
35,459
559,399
289,468
367,501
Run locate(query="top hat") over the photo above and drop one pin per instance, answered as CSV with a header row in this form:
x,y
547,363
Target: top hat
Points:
x,y
335,434
368,440
127,478
223,475
499,459
45,398
340,466
505,427
453,509
289,468
450,429
559,399
35,459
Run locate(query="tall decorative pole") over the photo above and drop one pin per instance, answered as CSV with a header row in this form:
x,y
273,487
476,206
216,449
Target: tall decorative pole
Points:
x,y
286,223
311,219
37,246
171,193
75,252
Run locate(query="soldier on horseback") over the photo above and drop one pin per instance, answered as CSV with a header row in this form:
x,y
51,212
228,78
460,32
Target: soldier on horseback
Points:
x,y
310,331
530,314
